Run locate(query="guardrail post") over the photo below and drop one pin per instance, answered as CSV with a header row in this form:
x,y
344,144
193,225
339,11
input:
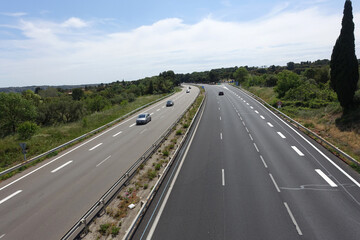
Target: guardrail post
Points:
x,y
102,205
86,227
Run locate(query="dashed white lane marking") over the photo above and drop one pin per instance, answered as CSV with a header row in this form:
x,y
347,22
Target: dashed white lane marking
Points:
x,y
219,109
220,118
262,159
251,107
132,125
293,219
221,136
8,197
256,112
297,151
158,109
103,161
326,178
65,164
2,236
273,180
143,131
251,137
151,113
262,117
247,129
247,104
243,123
256,147
95,146
270,124
223,176
163,106
117,134
281,135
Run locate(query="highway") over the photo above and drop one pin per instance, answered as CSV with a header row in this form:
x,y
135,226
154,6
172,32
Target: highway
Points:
x,y
247,174
45,201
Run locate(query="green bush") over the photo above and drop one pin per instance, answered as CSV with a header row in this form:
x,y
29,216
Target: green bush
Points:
x,y
157,167
26,130
178,132
166,153
114,231
103,228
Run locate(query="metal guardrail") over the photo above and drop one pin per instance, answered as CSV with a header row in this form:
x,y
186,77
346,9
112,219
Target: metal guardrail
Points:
x,y
82,225
81,137
332,148
141,213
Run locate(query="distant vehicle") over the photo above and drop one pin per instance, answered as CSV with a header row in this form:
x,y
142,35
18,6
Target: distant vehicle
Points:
x,y
187,91
143,118
189,87
169,103
221,93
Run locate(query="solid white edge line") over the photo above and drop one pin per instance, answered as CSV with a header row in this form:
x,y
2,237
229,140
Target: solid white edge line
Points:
x,y
297,151
153,227
65,164
313,146
117,134
223,176
281,135
262,159
293,219
273,180
103,161
95,146
326,178
10,196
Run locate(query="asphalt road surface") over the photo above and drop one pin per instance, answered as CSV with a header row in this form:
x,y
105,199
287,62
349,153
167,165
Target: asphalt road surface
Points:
x,y
45,201
246,174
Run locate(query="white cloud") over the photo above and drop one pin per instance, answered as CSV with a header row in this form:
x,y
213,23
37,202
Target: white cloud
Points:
x,y
54,55
15,14
74,23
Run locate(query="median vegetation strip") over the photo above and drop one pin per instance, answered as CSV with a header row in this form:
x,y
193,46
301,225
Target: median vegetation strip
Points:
x,y
119,213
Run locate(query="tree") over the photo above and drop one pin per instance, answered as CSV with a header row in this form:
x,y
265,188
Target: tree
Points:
x,y
14,109
286,81
240,74
290,66
77,94
344,73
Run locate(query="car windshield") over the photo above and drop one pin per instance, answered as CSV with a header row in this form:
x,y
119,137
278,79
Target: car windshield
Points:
x,y
142,116
169,102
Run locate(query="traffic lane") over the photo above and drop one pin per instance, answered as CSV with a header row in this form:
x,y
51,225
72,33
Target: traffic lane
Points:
x,y
332,167
256,210
328,161
187,214
313,214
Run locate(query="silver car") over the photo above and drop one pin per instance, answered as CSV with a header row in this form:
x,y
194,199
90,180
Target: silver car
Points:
x,y
143,118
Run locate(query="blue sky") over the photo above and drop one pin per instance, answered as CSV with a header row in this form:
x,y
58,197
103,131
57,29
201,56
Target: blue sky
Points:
x,y
80,42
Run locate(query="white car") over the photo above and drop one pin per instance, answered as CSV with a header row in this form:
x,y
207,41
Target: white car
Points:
x,y
143,118
187,90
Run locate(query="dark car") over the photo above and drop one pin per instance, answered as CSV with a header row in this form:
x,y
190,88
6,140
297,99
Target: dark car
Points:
x,y
221,93
169,103
143,118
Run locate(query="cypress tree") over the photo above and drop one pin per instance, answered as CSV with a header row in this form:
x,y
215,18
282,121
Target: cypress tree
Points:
x,y
344,65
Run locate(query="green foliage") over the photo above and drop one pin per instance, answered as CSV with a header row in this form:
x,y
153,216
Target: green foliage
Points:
x,y
26,130
77,94
344,65
241,74
165,153
286,81
114,231
178,132
14,109
103,228
157,167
